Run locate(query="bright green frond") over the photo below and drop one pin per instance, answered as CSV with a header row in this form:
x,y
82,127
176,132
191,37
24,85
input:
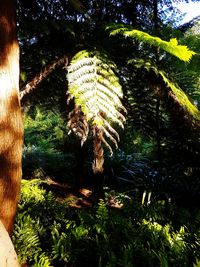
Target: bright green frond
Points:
x,y
95,86
176,91
182,97
172,47
97,92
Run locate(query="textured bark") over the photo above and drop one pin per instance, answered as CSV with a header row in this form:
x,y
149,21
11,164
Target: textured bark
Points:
x,y
11,130
8,256
97,165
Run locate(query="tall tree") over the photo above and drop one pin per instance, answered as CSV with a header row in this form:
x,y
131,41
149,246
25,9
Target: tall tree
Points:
x,y
11,129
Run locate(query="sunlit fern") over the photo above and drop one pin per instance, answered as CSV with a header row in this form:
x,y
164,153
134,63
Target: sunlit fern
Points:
x,y
183,104
172,47
97,95
190,81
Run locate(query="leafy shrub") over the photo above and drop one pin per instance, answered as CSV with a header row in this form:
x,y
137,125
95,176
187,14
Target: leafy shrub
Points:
x,y
46,130
45,135
49,233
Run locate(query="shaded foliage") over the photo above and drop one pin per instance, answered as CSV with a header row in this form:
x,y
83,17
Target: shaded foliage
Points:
x,y
148,235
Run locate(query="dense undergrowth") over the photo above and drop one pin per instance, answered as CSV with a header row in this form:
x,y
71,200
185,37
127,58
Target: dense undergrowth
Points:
x,y
48,232
138,222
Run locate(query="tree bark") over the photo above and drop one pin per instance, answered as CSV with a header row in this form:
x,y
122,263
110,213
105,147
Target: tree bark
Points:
x,y
11,129
8,256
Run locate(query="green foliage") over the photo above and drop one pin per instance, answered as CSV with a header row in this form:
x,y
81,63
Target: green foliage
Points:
x,y
48,233
187,76
27,239
176,91
95,87
44,129
97,94
37,211
172,47
32,191
45,136
38,162
134,171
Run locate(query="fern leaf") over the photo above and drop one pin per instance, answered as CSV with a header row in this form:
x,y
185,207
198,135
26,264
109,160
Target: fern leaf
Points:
x,y
42,260
174,92
94,85
172,47
97,93
182,97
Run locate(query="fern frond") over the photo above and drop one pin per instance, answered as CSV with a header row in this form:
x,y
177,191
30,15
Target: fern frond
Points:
x,y
94,86
180,51
26,238
31,190
97,92
182,97
42,260
175,93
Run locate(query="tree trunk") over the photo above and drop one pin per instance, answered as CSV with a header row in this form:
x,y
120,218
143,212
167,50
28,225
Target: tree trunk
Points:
x,y
11,129
8,256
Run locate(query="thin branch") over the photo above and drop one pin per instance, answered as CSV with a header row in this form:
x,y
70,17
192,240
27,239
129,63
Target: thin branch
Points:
x,y
30,86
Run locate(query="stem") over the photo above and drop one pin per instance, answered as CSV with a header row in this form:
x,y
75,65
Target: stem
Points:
x,y
43,74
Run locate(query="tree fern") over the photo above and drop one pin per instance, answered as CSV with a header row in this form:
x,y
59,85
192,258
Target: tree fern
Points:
x,y
172,47
97,94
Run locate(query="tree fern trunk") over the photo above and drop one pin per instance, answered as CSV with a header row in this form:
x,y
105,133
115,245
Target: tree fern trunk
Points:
x,y
11,130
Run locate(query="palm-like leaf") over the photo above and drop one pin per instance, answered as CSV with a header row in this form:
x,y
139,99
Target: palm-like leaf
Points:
x,y
97,92
172,47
